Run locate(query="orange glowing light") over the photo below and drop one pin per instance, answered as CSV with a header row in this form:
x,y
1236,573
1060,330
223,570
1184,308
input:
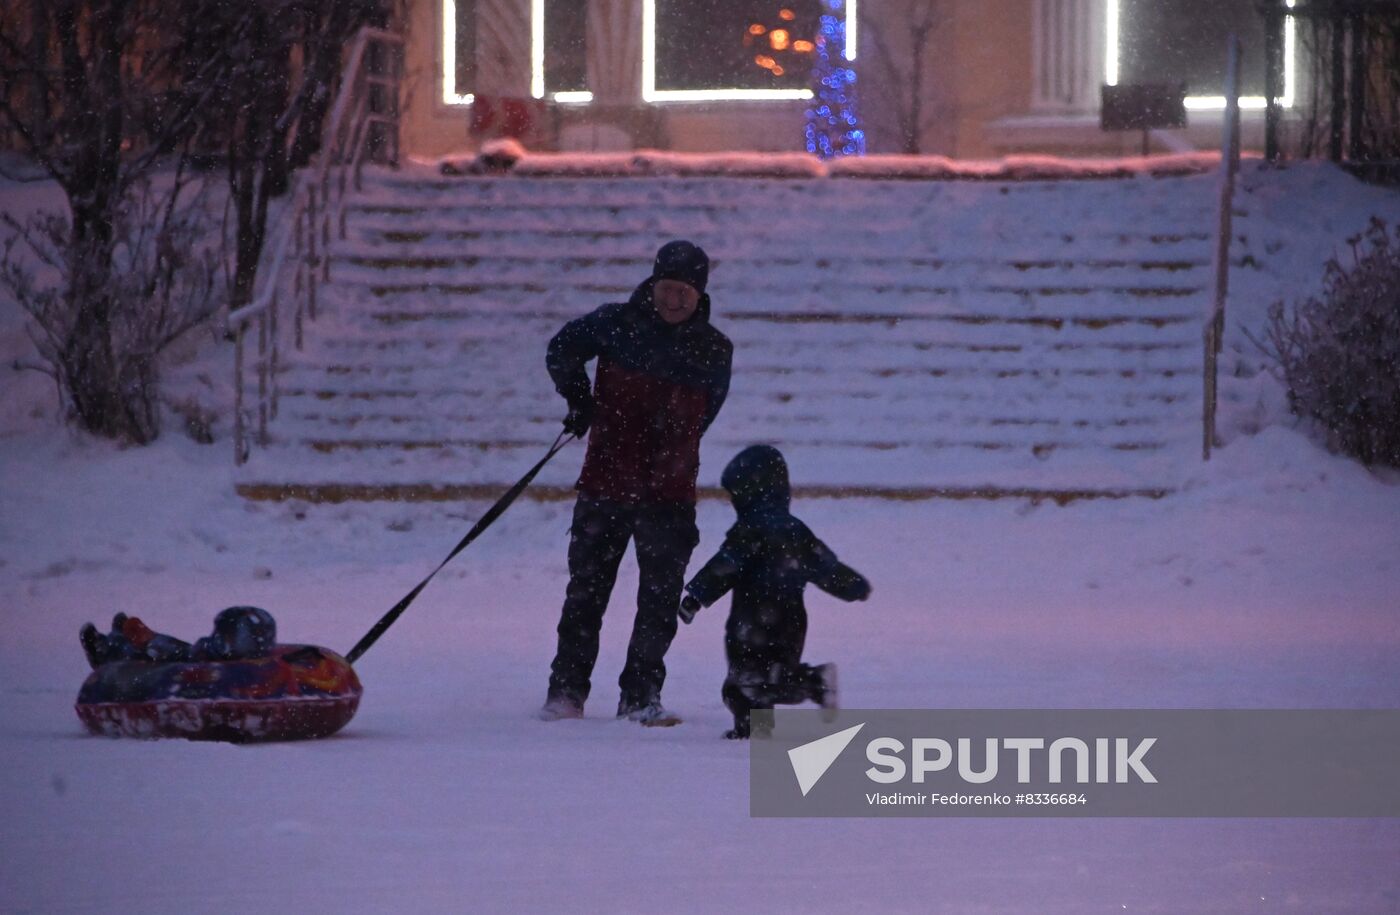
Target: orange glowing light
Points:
x,y
756,29
786,15
777,70
778,38
765,61
802,47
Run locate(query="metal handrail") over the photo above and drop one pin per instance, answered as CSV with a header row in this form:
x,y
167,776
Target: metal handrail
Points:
x,y
1213,333
304,227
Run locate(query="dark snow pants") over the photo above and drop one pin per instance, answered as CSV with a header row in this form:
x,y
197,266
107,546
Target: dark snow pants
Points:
x,y
664,536
765,674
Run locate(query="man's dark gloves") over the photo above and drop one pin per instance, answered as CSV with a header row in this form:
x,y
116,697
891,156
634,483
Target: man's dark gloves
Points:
x,y
579,419
689,607
861,590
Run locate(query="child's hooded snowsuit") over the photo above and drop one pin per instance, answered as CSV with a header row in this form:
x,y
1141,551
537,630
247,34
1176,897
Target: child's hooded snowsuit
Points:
x,y
767,558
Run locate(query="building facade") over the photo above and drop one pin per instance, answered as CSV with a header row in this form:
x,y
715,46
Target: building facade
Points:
x,y
962,78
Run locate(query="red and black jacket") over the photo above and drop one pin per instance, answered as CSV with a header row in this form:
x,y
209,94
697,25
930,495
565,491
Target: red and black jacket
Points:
x,y
657,388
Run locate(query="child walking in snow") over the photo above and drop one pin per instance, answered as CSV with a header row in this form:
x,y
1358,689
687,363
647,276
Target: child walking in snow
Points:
x,y
767,558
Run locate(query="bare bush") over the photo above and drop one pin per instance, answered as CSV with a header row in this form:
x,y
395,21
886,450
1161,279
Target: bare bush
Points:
x,y
1338,352
102,94
102,312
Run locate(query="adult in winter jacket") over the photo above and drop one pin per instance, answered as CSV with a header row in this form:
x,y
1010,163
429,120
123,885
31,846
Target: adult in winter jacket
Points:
x,y
661,377
767,559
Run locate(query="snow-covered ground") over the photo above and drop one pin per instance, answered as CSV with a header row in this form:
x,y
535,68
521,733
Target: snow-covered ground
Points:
x,y
1270,580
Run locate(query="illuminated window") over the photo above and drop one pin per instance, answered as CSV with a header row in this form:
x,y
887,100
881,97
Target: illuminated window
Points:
x,y
731,49
1176,41
565,50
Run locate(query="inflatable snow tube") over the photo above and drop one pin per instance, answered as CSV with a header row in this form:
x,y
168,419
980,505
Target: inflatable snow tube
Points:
x,y
295,693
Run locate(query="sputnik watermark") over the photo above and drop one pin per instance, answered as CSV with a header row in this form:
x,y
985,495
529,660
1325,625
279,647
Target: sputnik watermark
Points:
x,y
1056,762
890,767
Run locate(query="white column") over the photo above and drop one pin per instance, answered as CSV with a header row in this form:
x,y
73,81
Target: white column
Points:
x,y
1068,42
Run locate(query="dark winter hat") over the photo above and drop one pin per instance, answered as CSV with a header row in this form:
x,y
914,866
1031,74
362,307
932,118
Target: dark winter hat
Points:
x,y
243,632
684,261
757,478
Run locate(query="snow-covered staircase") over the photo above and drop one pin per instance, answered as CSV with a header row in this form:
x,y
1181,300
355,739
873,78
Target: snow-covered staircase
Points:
x,y
898,338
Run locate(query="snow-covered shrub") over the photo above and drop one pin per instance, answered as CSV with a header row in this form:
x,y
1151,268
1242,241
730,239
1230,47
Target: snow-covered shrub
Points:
x,y
103,306
1338,352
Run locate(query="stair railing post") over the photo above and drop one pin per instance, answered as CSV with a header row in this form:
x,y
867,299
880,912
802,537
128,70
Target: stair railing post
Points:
x,y
313,253
298,285
262,378
275,350
1214,329
240,451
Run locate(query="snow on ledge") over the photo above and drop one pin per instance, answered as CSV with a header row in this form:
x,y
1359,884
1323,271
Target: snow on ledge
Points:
x,y
655,163
1023,167
651,162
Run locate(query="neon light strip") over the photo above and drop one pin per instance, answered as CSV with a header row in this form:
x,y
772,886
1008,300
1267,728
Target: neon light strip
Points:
x,y
648,50
725,95
572,98
651,94
1110,73
1216,102
1290,26
851,20
449,57
537,48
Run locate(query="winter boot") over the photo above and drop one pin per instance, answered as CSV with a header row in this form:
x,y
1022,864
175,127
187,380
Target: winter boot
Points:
x,y
130,636
651,715
165,649
94,645
558,708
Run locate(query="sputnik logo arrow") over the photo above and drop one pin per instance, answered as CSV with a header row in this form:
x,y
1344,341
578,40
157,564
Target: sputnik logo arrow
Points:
x,y
811,760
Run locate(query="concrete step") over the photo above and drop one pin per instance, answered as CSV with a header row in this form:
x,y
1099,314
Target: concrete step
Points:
x,y
439,257
413,351
942,344
777,353
525,336
316,424
634,238
338,493
944,466
769,200
445,320
831,392
763,376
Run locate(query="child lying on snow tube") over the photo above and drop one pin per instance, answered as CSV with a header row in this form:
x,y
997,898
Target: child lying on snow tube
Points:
x,y
236,684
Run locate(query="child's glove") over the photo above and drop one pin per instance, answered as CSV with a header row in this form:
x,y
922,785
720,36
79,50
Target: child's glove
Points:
x,y
689,607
